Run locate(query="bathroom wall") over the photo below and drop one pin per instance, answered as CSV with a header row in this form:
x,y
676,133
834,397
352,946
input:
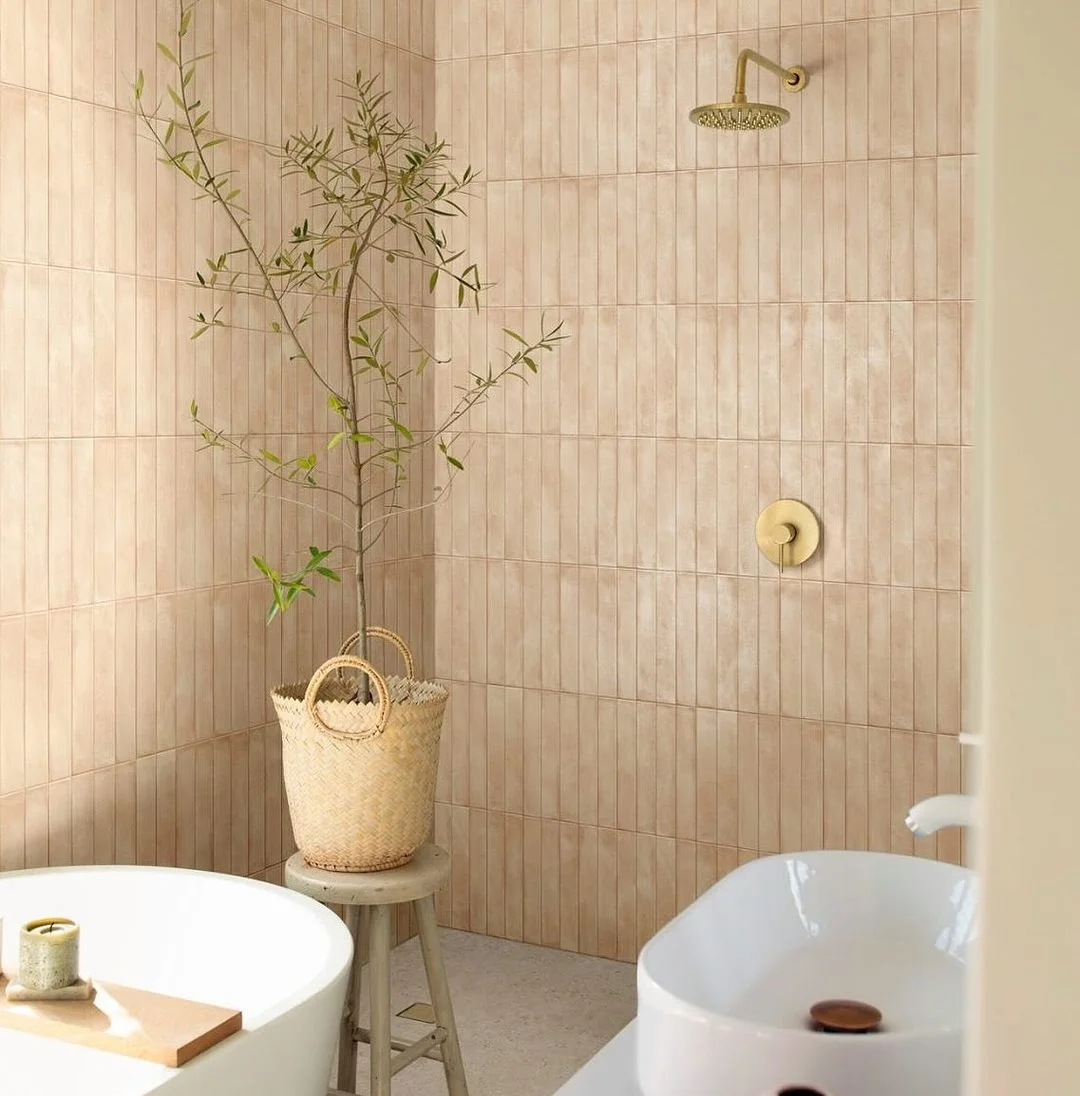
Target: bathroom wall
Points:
x,y
1028,616
135,663
639,702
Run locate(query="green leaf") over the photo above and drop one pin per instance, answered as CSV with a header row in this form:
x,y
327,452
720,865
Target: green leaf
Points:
x,y
265,568
194,409
140,83
336,440
326,572
455,462
402,429
433,280
185,22
271,458
167,53
361,439
275,327
514,335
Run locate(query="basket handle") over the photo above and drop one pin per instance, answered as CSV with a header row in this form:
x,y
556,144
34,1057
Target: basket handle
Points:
x,y
339,662
390,637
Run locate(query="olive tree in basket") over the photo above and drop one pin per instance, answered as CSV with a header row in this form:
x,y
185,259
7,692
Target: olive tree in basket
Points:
x,y
379,194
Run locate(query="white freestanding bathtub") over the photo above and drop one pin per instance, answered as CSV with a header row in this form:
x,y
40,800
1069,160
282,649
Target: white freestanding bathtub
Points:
x,y
279,957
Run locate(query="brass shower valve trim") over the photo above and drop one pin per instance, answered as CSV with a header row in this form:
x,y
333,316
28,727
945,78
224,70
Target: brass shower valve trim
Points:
x,y
788,532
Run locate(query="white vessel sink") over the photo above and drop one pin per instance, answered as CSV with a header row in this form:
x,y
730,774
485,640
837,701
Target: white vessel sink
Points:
x,y
724,990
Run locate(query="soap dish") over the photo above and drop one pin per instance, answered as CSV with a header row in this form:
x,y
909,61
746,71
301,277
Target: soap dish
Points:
x,y
82,990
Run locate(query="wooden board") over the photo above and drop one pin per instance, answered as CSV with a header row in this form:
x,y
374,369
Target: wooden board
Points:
x,y
128,1021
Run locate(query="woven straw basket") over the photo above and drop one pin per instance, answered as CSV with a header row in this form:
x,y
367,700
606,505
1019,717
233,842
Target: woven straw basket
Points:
x,y
360,778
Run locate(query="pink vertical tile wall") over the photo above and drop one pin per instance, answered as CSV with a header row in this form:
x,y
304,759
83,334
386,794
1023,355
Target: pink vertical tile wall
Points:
x,y
639,702
135,724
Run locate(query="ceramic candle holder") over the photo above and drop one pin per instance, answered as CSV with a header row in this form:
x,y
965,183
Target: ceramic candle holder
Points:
x,y
49,954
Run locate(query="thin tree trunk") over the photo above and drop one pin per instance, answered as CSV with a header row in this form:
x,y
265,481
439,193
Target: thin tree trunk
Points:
x,y
363,685
364,694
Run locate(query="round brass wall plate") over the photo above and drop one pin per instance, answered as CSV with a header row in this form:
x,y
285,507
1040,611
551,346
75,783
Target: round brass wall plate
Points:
x,y
798,79
770,526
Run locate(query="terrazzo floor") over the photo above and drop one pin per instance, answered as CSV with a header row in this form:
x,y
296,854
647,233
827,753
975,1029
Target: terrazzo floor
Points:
x,y
528,1017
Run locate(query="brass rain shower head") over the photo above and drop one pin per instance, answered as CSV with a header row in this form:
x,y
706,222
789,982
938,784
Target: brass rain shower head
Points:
x,y
739,114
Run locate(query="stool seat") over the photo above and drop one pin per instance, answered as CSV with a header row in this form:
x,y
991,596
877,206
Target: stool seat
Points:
x,y
368,898
428,870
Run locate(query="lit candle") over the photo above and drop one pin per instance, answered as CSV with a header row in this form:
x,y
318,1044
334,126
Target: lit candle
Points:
x,y
49,953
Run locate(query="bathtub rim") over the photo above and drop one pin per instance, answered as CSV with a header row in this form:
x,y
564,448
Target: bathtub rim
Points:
x,y
327,974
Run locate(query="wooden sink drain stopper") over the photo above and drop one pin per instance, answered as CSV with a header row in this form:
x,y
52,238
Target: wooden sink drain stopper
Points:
x,y
845,1017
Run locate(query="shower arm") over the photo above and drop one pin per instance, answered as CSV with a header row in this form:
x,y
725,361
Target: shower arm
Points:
x,y
793,79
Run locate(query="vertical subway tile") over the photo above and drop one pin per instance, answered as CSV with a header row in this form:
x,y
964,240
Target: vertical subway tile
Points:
x,y
926,94
834,770
790,795
969,70
879,89
902,71
880,820
949,83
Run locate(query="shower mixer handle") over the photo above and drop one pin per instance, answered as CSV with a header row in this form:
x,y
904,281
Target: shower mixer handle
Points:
x,y
783,534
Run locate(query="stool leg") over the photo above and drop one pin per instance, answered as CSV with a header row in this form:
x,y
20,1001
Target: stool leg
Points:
x,y
346,1076
440,995
380,1000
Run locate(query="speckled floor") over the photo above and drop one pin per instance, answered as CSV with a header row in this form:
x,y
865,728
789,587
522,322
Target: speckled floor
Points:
x,y
528,1017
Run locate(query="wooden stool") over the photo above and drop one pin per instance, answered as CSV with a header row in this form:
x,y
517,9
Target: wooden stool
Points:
x,y
368,897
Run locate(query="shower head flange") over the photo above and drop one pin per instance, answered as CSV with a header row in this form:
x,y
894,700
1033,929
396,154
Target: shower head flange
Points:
x,y
797,78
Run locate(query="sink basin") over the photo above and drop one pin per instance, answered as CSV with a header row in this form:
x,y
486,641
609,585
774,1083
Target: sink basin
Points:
x,y
725,989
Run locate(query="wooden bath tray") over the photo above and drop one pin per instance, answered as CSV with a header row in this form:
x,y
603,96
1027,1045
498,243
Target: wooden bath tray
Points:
x,y
135,1022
